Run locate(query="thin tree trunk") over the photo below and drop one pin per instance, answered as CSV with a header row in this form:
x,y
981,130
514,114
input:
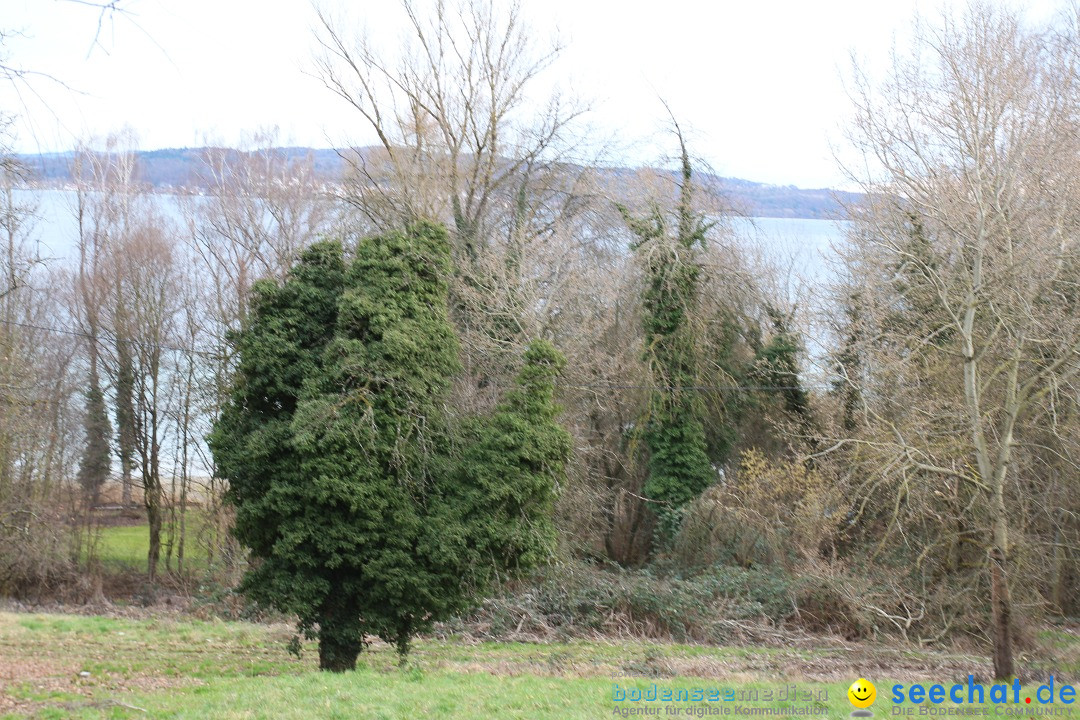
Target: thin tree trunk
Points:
x,y
1001,615
184,479
152,495
1059,577
153,514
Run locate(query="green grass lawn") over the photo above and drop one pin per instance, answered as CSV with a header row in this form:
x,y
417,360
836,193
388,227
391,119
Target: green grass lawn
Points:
x,y
125,547
183,668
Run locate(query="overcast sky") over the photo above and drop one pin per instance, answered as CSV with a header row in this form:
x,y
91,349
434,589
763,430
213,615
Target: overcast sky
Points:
x,y
758,85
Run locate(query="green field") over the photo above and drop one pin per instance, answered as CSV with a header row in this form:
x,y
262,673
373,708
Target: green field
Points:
x,y
183,668
124,547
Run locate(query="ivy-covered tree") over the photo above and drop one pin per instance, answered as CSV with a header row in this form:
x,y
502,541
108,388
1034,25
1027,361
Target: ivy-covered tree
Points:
x,y
679,464
848,363
512,466
368,513
96,459
776,368
125,416
387,554
281,346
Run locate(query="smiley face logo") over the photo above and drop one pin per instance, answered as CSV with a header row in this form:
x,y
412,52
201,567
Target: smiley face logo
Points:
x,y
862,693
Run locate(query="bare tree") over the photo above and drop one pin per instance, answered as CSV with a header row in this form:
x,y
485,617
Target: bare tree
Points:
x,y
455,134
39,415
129,298
263,206
464,139
963,262
148,303
106,189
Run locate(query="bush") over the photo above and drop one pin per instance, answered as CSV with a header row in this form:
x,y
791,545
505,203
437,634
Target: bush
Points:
x,y
767,512
575,599
821,607
35,554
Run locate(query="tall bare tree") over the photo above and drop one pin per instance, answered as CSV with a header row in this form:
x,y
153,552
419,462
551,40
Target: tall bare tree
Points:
x,y
964,263
463,138
106,189
263,205
148,304
40,418
129,297
454,133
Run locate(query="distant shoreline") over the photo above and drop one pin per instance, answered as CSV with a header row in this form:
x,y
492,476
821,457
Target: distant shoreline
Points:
x,y
173,169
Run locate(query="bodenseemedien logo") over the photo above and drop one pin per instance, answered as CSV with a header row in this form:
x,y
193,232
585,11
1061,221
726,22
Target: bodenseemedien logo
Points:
x,y
861,695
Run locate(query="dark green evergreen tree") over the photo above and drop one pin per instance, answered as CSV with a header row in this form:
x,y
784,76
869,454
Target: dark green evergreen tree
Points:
x,y
848,363
367,513
281,346
512,465
777,369
917,272
371,430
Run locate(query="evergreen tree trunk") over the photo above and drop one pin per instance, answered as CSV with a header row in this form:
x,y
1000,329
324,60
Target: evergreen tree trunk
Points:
x,y
404,642
340,640
337,654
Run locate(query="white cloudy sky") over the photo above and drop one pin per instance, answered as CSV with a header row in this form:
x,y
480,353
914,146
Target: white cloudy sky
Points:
x,y
758,84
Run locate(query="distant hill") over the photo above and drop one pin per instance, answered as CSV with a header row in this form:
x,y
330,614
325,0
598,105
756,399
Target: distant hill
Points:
x,y
786,201
179,167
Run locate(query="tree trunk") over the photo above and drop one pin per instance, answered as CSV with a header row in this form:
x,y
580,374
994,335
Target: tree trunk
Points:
x,y
149,448
404,641
125,417
152,498
1057,593
153,514
339,645
1001,616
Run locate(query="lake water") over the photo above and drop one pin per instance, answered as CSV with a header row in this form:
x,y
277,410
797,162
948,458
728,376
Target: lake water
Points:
x,y
800,249
55,230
